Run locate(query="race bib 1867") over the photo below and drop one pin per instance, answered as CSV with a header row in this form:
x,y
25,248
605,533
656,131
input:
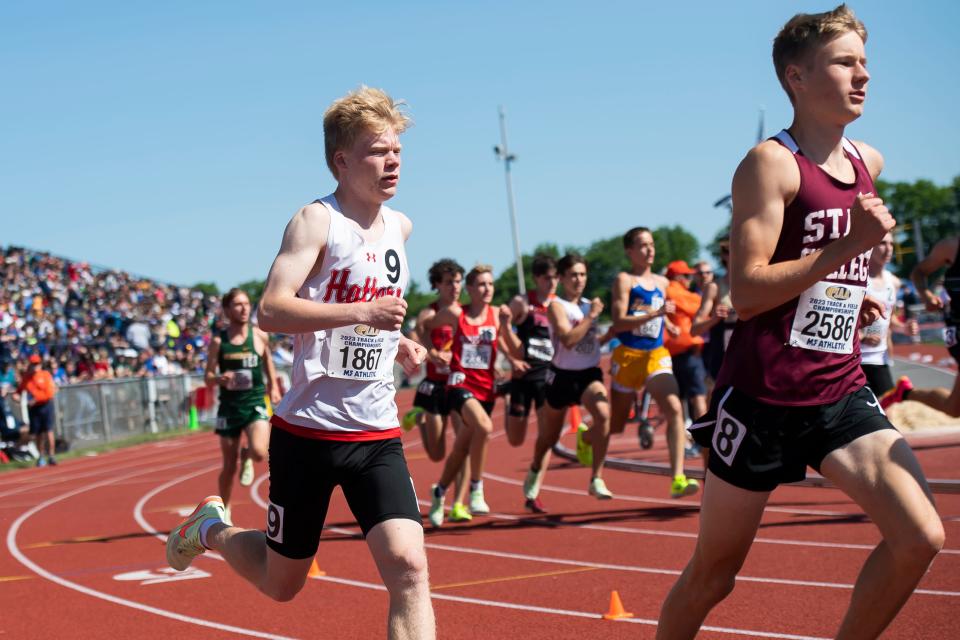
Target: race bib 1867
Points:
x,y
357,353
826,318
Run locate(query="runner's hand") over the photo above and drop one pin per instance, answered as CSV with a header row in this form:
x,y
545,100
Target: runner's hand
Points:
x,y
275,397
932,301
386,313
596,308
225,379
506,314
870,341
410,355
440,358
519,367
870,219
871,311
721,311
669,306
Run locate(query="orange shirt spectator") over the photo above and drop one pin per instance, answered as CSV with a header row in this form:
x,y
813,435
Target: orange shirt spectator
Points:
x,y
38,383
687,302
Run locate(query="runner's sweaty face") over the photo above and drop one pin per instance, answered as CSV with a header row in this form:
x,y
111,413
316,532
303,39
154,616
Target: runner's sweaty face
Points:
x,y
238,311
575,281
371,166
834,80
546,284
450,287
642,252
481,291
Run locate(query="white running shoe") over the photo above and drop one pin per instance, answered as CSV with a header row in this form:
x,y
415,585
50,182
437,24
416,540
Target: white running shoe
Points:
x,y
436,507
531,485
246,473
183,543
478,506
599,489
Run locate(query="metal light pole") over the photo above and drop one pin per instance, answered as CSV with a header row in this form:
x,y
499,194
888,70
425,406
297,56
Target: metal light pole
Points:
x,y
504,154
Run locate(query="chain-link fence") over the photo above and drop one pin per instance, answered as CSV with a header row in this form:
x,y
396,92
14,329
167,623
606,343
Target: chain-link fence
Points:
x,y
92,413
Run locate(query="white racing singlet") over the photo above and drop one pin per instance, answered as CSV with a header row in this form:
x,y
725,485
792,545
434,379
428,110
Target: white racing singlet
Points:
x,y
586,353
886,293
342,380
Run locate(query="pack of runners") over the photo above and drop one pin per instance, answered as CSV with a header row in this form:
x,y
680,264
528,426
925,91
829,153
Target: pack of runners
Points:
x,y
802,298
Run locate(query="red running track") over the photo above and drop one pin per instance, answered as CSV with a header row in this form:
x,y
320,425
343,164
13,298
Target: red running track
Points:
x,y
83,556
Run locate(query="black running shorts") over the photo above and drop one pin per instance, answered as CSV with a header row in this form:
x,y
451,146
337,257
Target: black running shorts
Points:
x,y
432,397
879,378
951,338
303,473
525,392
757,446
458,396
566,386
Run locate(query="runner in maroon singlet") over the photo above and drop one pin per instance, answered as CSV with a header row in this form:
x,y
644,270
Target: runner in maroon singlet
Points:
x,y
480,329
790,392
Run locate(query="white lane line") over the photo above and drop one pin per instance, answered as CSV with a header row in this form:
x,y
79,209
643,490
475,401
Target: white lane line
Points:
x,y
48,480
568,612
43,573
255,497
259,501
668,501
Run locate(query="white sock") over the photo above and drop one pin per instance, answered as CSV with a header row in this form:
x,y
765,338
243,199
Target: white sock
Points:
x,y
204,528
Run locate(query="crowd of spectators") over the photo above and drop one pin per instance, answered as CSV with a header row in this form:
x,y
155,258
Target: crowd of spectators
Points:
x,y
87,323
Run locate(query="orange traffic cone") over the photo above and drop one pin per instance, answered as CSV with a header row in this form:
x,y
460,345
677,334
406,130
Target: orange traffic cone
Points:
x,y
315,571
574,417
616,608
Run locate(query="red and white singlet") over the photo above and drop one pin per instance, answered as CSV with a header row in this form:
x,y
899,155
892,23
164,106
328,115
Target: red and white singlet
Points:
x,y
342,380
442,340
807,350
474,356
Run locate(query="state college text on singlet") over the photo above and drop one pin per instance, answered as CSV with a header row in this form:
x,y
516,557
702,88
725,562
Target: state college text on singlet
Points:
x,y
342,384
807,350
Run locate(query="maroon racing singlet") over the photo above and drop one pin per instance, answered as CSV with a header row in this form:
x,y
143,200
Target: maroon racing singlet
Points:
x,y
442,339
474,356
807,351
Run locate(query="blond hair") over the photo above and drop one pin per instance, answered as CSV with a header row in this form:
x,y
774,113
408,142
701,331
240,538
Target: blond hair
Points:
x,y
365,109
477,271
805,31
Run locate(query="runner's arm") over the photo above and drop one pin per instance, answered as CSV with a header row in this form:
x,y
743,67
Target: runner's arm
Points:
x,y
282,311
705,320
210,376
620,298
940,256
509,341
520,309
568,335
269,369
765,181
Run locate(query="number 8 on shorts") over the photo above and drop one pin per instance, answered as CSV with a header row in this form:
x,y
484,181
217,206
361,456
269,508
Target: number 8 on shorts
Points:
x,y
727,436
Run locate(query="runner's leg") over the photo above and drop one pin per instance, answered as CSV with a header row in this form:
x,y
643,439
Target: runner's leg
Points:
x,y
397,548
594,398
663,388
880,472
230,450
620,404
722,546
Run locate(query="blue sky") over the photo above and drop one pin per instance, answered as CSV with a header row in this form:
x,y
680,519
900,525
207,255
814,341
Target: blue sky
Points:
x,y
176,139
